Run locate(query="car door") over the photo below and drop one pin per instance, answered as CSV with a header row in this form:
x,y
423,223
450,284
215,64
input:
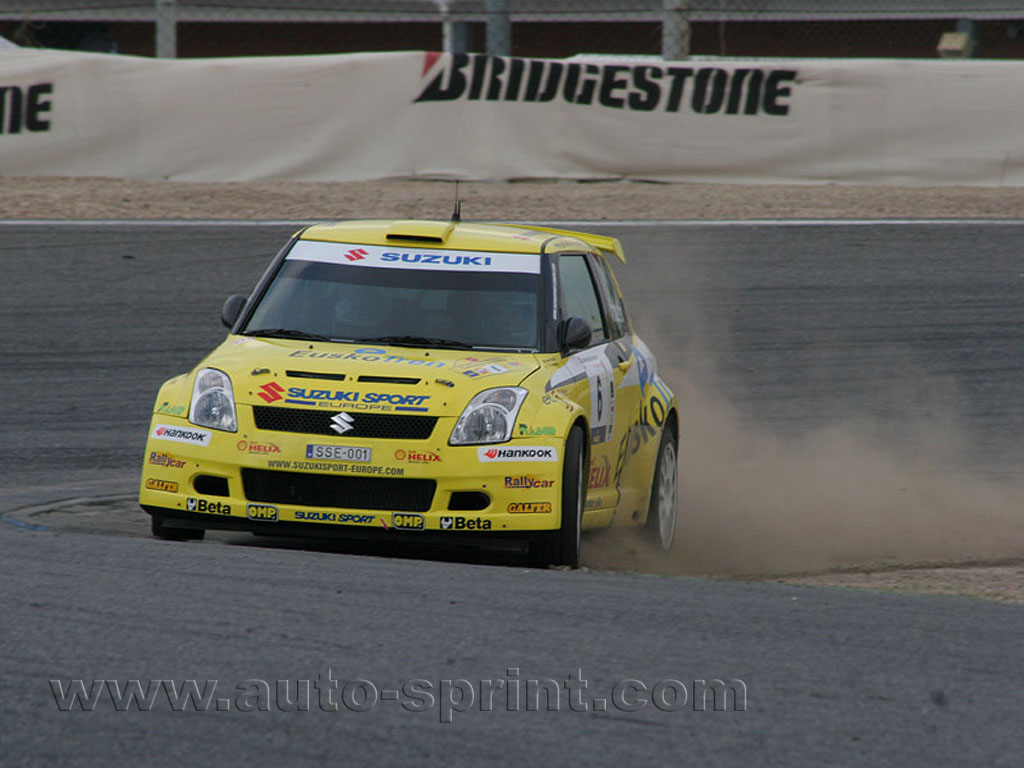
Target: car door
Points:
x,y
606,367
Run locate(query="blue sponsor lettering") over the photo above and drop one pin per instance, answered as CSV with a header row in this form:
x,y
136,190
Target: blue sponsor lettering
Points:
x,y
327,517
437,258
355,519
308,396
381,397
367,355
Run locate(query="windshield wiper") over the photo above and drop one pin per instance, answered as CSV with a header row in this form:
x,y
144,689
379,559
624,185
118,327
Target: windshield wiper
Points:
x,y
287,333
418,341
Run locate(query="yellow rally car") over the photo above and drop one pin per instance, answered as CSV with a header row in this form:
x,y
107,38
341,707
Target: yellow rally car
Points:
x,y
422,379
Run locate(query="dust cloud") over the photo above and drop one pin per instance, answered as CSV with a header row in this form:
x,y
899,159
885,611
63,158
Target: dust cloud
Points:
x,y
845,495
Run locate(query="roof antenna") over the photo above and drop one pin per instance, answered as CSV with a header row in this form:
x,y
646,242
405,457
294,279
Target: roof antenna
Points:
x,y
457,213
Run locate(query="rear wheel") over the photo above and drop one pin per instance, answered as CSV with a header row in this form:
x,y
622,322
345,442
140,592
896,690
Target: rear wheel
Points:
x,y
563,546
661,514
174,534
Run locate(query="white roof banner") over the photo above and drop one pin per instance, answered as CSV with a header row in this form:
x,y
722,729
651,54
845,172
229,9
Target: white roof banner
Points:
x,y
428,259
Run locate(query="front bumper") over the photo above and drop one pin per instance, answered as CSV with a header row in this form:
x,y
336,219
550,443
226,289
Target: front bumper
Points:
x,y
264,481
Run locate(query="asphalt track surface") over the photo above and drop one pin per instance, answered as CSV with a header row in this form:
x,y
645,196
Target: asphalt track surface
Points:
x,y
802,322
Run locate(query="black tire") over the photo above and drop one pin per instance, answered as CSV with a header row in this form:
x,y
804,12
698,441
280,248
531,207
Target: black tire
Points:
x,y
563,546
660,526
174,534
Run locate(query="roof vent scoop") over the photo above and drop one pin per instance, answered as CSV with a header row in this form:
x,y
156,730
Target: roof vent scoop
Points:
x,y
422,231
427,231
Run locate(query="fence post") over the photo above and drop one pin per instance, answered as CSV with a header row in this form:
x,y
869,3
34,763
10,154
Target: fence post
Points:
x,y
970,28
456,36
166,29
499,28
675,30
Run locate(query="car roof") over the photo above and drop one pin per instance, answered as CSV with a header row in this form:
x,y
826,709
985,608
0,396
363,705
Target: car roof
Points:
x,y
461,236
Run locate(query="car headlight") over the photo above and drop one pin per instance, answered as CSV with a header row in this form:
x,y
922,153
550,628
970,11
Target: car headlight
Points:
x,y
489,417
213,401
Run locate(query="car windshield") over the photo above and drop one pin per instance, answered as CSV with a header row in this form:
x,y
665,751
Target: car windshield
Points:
x,y
402,296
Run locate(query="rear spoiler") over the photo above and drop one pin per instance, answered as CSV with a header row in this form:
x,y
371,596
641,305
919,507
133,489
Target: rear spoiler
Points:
x,y
601,242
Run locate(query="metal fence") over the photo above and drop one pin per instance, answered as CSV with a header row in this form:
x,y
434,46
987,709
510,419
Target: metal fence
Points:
x,y
672,29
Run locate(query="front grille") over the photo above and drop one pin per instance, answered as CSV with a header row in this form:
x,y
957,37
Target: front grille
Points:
x,y
308,421
338,491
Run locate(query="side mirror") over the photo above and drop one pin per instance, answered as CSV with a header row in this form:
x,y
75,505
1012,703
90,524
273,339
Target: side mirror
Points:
x,y
576,333
232,309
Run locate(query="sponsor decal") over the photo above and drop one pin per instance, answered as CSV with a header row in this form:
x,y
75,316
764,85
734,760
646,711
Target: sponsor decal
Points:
x,y
465,524
24,108
599,366
162,459
210,507
646,364
171,410
361,519
270,392
417,457
707,90
368,355
333,517
339,452
316,517
428,259
653,414
556,397
333,466
529,507
527,431
189,435
485,370
527,482
266,512
355,400
488,364
540,453
408,521
251,446
600,474
436,258
162,485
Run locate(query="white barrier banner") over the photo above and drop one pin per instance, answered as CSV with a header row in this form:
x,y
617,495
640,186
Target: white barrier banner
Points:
x,y
409,114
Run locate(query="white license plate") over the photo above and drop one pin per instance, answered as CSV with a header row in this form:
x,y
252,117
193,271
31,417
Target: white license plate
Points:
x,y
339,452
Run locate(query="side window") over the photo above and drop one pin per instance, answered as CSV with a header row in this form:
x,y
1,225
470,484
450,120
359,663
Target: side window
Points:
x,y
578,293
618,325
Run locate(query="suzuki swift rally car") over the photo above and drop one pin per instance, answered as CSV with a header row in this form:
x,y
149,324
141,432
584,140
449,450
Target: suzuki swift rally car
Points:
x,y
430,380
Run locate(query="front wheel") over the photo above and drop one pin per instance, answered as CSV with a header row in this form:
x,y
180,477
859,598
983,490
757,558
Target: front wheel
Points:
x,y
661,514
563,546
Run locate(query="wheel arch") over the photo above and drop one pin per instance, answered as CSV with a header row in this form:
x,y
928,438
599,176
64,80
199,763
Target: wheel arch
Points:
x,y
672,422
581,422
